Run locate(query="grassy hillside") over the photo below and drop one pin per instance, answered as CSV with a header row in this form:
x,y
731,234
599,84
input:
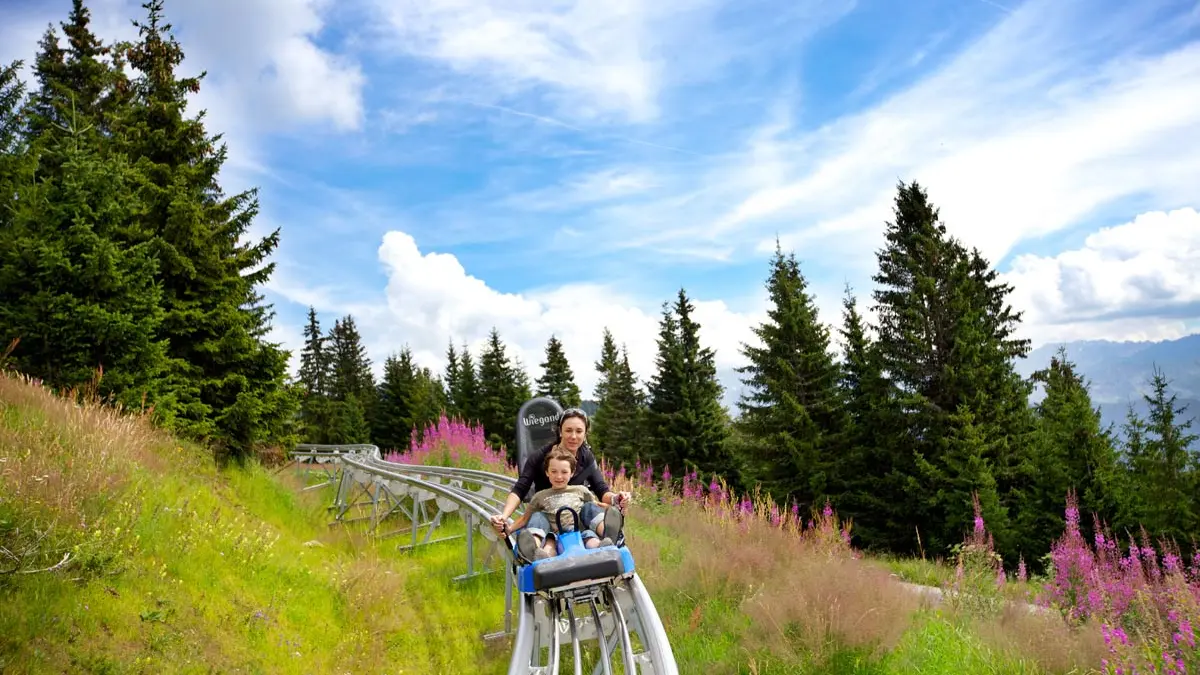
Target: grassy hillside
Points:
x,y
175,566
178,567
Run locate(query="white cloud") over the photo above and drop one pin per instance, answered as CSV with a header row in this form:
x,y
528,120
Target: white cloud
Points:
x,y
586,190
431,299
593,60
264,54
1136,281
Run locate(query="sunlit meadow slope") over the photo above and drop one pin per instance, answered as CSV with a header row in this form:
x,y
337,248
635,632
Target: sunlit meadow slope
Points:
x,y
175,566
172,565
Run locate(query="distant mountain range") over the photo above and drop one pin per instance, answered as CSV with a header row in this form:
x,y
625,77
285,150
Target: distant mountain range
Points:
x,y
1119,372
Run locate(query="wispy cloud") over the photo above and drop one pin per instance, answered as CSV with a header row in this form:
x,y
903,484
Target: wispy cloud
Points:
x,y
1056,112
591,61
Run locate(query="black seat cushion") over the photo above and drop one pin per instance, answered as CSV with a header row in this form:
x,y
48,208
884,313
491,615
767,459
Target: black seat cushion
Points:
x,y
569,569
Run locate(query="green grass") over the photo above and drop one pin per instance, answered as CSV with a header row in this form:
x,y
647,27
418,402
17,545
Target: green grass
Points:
x,y
181,568
919,570
239,572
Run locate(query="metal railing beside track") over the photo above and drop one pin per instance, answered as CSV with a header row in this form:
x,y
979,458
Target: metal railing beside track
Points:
x,y
618,614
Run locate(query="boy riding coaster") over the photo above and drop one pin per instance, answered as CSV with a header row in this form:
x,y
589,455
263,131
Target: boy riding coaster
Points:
x,y
560,466
572,437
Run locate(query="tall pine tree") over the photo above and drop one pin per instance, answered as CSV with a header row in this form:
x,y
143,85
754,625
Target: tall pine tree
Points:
x,y
351,384
686,425
945,338
868,487
502,388
395,415
77,88
316,409
452,376
462,384
229,381
557,380
1164,465
615,430
1072,451
17,162
77,298
792,413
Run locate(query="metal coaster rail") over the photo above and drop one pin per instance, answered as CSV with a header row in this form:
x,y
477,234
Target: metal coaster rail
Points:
x,y
617,611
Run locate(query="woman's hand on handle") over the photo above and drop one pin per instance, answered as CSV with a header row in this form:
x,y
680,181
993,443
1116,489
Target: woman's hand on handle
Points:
x,y
622,500
499,523
618,499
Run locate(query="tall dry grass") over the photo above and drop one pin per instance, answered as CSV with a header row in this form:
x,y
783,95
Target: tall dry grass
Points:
x,y
1043,637
56,451
806,597
63,457
806,593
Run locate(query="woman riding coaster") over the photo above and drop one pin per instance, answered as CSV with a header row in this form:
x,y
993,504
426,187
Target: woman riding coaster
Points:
x,y
572,437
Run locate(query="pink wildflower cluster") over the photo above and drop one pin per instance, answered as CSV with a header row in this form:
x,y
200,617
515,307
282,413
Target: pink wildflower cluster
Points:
x,y
715,500
1130,593
979,569
452,442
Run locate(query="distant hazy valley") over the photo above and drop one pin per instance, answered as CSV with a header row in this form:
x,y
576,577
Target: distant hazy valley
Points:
x,y
1118,372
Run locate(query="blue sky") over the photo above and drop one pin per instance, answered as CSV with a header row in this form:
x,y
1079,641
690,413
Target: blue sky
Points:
x,y
444,166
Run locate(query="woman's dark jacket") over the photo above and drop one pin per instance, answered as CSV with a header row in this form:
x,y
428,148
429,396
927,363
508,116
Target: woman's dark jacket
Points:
x,y
533,474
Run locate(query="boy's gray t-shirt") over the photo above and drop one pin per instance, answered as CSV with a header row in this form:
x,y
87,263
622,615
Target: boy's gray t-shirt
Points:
x,y
550,500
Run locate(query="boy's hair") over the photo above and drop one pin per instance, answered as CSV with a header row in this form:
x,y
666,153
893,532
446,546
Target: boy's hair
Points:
x,y
564,455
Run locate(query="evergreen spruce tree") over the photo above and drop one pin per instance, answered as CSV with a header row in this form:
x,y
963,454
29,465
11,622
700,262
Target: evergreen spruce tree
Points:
x,y
429,400
628,403
349,423
666,443
453,380
351,384
686,425
350,367
229,381
945,338
1072,451
17,163
461,384
314,382
615,428
77,88
600,432
76,298
465,393
792,413
409,398
503,387
868,486
557,380
1135,463
1165,467
314,360
396,415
